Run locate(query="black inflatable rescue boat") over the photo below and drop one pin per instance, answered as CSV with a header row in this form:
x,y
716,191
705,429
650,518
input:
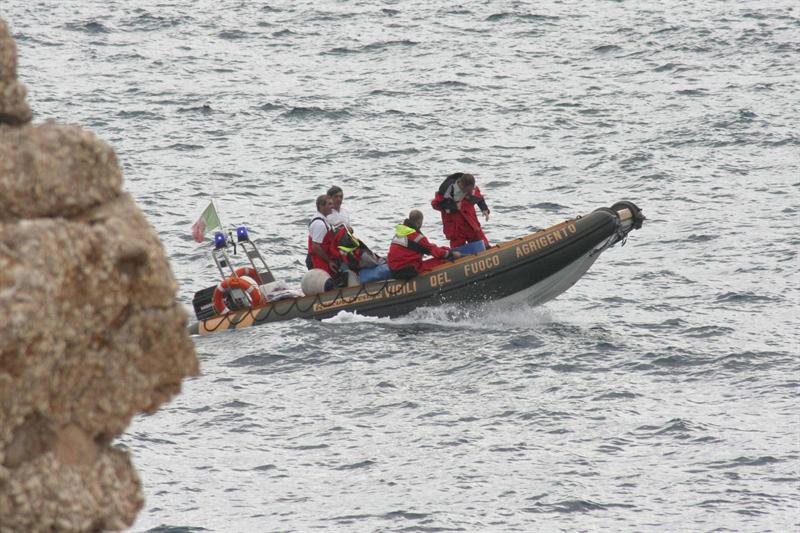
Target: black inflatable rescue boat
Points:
x,y
532,269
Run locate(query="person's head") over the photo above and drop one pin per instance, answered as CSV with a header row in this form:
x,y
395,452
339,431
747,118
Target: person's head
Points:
x,y
324,204
337,195
466,183
414,219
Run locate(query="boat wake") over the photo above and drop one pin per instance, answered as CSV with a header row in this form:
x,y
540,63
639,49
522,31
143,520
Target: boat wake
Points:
x,y
487,316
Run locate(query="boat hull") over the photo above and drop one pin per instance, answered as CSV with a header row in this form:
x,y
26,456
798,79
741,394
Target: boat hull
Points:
x,y
539,266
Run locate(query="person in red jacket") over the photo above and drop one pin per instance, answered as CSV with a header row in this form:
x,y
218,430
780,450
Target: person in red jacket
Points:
x,y
456,200
410,245
320,239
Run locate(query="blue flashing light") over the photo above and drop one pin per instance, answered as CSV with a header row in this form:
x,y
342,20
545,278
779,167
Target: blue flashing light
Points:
x,y
219,240
241,234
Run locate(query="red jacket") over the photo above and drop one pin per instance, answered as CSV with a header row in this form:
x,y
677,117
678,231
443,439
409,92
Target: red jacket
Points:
x,y
408,247
459,219
327,245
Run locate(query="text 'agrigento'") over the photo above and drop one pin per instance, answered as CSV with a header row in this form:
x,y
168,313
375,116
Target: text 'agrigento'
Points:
x,y
548,239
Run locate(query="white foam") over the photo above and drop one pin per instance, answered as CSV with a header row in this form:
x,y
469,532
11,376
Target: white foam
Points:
x,y
492,315
352,317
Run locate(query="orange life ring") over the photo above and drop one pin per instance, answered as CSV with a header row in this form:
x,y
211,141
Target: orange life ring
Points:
x,y
245,283
250,272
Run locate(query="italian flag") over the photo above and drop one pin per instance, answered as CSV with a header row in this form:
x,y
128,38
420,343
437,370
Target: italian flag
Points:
x,y
209,219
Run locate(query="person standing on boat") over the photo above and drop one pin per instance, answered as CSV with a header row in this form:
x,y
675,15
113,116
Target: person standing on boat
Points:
x,y
456,200
410,245
320,239
339,216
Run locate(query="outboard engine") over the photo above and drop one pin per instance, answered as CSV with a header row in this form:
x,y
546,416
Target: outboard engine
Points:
x,y
203,303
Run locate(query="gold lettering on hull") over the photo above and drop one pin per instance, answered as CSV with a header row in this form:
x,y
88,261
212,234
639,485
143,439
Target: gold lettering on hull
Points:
x,y
481,265
544,241
437,280
390,291
401,289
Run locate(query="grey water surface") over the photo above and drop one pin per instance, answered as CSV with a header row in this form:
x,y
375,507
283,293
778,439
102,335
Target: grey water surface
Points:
x,y
659,393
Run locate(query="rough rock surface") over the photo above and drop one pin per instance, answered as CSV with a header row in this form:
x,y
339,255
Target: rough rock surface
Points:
x,y
91,333
13,107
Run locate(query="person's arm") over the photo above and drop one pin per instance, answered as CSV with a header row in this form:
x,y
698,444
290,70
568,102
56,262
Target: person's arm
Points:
x,y
483,207
480,201
319,251
439,252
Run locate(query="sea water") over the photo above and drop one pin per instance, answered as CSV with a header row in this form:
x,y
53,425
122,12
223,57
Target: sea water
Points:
x,y
659,393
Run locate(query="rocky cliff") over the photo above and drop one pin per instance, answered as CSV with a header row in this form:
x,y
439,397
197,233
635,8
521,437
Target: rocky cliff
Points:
x,y
90,332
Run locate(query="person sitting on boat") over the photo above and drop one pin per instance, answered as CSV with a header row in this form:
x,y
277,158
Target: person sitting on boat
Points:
x,y
410,245
339,216
320,239
456,200
352,251
347,248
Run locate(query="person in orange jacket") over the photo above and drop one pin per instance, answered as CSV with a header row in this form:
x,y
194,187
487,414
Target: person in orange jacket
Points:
x,y
410,245
456,200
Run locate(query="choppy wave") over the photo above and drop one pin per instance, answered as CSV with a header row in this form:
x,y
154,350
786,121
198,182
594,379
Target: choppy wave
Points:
x,y
313,113
90,27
